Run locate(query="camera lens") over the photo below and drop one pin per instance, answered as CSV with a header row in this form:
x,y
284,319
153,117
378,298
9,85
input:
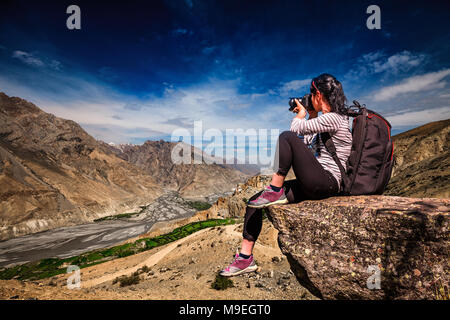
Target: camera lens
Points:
x,y
292,104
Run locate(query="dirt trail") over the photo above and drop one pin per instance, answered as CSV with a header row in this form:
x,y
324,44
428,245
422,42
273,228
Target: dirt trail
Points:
x,y
149,262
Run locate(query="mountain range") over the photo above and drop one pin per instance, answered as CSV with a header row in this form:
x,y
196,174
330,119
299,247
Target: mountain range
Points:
x,y
54,174
193,181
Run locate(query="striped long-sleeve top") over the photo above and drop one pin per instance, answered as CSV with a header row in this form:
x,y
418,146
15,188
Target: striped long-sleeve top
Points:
x,y
338,127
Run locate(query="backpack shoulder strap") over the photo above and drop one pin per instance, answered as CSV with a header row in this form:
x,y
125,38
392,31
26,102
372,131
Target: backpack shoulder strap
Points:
x,y
329,145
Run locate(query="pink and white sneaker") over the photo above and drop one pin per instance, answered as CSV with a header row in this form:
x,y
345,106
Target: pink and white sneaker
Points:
x,y
267,198
239,266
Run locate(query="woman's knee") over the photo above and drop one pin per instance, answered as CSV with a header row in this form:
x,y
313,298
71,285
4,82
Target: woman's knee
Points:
x,y
287,135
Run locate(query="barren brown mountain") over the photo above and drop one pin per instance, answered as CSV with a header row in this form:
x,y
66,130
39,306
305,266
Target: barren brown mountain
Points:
x,y
196,181
53,174
422,167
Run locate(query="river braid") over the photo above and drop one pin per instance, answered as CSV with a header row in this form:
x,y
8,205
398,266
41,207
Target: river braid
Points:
x,y
332,90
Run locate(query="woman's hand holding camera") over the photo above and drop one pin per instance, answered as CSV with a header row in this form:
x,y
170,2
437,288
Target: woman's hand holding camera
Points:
x,y
301,111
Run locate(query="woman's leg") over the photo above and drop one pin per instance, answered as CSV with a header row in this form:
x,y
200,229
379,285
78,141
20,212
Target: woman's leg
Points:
x,y
247,247
277,180
252,228
253,218
313,179
315,182
283,157
312,182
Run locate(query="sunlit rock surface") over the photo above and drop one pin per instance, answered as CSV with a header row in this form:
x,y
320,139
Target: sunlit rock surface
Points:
x,y
333,244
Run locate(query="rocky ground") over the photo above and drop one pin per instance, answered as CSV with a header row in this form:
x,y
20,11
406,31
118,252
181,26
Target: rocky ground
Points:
x,y
183,269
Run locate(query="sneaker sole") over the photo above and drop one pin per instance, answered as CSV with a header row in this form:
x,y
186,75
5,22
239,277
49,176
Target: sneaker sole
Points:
x,y
248,269
260,206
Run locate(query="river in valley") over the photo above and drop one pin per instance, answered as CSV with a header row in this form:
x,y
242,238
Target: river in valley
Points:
x,y
74,240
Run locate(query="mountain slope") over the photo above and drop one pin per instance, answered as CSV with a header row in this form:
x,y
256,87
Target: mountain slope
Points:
x,y
190,180
422,162
52,173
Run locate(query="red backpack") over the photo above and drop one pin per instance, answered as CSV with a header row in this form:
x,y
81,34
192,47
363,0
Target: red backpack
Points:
x,y
369,165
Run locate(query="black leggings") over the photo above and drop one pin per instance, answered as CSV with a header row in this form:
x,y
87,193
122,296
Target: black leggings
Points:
x,y
313,181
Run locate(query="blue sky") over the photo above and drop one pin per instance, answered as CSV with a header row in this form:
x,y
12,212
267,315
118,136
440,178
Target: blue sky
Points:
x,y
139,70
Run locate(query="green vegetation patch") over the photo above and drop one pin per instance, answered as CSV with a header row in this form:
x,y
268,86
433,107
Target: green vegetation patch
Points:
x,y
122,215
199,205
125,281
222,283
264,213
131,279
53,266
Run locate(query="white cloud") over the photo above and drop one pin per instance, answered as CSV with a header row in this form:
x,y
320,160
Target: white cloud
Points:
x,y
179,31
294,85
35,61
28,58
54,64
371,57
402,61
378,63
97,107
254,96
418,118
208,50
432,80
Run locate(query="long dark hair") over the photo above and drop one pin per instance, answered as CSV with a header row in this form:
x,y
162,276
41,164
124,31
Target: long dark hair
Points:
x,y
332,90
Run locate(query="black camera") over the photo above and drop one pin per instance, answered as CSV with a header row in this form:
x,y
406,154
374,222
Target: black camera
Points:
x,y
305,101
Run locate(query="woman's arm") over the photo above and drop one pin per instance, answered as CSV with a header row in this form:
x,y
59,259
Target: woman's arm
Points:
x,y
301,111
328,122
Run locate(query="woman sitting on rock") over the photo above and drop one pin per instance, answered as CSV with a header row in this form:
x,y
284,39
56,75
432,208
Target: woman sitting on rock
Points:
x,y
317,174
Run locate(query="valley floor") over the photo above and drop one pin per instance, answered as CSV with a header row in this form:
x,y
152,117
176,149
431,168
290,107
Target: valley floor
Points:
x,y
183,269
74,240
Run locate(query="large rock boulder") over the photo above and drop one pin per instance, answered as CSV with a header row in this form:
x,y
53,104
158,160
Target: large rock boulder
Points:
x,y
367,247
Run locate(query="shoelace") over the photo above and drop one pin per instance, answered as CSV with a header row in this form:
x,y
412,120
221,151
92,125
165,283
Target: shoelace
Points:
x,y
235,258
267,188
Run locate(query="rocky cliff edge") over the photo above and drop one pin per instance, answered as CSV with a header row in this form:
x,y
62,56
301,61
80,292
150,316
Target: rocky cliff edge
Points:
x,y
367,247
